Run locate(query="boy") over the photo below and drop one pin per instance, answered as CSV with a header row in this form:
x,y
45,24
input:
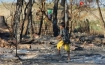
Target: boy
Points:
x,y
64,39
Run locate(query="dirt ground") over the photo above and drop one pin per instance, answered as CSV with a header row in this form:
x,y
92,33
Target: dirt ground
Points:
x,y
50,58
45,53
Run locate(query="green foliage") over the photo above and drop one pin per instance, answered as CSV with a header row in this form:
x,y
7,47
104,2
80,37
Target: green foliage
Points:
x,y
95,25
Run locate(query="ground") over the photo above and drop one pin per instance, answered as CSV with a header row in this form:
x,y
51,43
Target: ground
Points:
x,y
45,53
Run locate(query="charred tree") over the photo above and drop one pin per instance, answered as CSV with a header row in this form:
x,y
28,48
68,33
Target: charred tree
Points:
x,y
55,8
42,9
30,28
27,17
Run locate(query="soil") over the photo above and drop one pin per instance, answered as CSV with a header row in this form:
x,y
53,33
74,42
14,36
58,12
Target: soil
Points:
x,y
84,50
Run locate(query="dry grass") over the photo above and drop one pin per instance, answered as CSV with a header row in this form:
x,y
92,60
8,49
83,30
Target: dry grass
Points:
x,y
5,12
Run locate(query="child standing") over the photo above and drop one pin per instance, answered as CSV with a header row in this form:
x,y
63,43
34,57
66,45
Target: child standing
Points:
x,y
64,39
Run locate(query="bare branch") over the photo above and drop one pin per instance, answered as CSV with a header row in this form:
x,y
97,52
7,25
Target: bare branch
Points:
x,y
4,5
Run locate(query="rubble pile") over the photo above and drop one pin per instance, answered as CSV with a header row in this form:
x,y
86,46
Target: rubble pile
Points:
x,y
85,40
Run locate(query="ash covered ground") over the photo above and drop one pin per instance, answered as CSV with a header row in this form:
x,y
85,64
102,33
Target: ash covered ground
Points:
x,y
85,50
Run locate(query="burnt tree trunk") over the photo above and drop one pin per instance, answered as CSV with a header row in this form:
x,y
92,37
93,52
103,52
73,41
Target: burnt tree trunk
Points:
x,y
28,15
63,3
30,26
55,8
41,22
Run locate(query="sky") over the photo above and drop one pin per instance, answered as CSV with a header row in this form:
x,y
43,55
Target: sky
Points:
x,y
8,1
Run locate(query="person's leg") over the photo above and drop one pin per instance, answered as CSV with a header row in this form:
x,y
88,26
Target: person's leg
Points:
x,y
59,51
59,45
68,52
67,48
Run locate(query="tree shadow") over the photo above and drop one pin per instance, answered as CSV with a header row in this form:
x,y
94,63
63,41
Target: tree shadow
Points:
x,y
45,59
4,36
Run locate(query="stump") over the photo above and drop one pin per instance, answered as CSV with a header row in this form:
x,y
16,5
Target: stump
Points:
x,y
2,22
